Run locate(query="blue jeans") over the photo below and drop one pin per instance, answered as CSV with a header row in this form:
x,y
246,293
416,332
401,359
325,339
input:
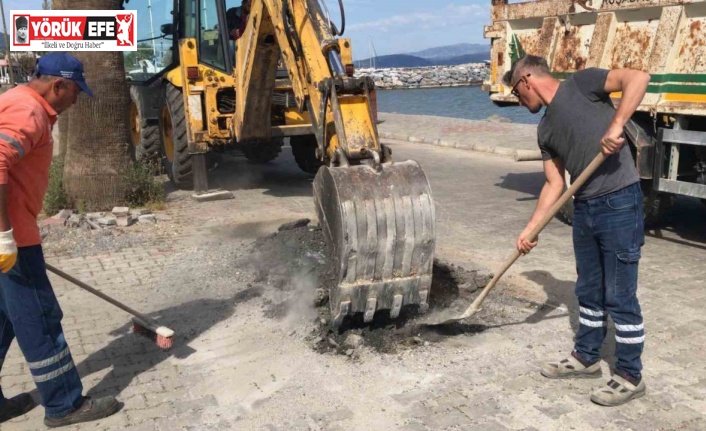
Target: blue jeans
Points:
x,y
608,233
30,312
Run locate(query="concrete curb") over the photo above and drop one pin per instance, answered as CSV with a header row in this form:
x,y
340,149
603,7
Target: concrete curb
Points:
x,y
518,155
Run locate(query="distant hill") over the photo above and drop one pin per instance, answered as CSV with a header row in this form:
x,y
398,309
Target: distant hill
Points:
x,y
404,60
463,59
2,43
449,55
450,51
394,60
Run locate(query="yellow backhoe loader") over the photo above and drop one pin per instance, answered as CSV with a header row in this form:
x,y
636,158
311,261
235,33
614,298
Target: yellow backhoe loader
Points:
x,y
229,75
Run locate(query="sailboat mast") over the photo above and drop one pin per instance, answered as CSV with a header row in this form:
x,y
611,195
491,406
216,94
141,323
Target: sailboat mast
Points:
x,y
154,47
373,57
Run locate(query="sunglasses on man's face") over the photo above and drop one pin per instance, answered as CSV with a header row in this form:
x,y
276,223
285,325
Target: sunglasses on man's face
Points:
x,y
514,90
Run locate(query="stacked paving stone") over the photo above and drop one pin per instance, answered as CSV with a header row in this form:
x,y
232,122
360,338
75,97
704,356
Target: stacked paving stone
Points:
x,y
425,77
119,216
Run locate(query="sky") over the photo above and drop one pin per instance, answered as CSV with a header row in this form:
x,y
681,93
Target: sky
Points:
x,y
393,26
401,26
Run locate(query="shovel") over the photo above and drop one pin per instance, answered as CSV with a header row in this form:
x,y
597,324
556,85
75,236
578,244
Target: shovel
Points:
x,y
475,306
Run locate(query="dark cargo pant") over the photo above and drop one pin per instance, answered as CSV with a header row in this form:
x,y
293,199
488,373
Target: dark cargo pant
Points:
x,y
30,312
608,233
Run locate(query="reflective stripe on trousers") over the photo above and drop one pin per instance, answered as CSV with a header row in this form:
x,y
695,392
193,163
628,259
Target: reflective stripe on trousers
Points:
x,y
608,234
30,312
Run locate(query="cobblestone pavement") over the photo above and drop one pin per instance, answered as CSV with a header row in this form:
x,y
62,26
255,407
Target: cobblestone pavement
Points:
x,y
233,367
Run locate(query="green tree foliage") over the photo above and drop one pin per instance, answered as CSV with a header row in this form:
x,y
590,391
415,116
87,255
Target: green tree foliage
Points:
x,y
144,52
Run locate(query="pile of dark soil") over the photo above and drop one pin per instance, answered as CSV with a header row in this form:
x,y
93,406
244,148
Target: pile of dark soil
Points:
x,y
293,264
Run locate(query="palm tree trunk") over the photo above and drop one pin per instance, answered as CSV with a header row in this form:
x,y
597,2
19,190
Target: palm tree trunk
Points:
x,y
98,143
63,124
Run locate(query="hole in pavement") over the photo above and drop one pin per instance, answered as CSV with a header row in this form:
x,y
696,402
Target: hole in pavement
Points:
x,y
290,266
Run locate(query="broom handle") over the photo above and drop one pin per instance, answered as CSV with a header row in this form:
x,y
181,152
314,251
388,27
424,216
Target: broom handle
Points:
x,y
590,169
98,293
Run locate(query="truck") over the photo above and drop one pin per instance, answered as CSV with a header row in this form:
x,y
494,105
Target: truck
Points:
x,y
220,75
665,38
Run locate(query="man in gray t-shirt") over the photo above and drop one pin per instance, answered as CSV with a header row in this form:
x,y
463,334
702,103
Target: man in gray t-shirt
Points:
x,y
572,128
579,122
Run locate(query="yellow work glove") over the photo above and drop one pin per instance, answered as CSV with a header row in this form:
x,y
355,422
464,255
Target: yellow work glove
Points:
x,y
8,251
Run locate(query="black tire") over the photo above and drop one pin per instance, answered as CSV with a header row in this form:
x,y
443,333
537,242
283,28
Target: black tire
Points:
x,y
653,210
174,137
654,205
262,152
304,151
566,213
144,133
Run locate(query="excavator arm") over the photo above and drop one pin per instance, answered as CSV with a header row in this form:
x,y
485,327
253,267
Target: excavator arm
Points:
x,y
338,104
377,215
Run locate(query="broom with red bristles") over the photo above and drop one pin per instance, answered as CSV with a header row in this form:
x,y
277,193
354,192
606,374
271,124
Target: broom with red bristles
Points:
x,y
141,324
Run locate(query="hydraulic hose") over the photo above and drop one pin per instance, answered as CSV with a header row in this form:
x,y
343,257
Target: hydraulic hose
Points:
x,y
343,17
334,29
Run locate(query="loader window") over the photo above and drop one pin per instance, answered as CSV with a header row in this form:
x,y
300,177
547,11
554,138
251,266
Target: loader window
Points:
x,y
212,41
235,23
154,48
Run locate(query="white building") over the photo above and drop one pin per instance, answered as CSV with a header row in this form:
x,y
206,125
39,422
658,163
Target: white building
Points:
x,y
5,72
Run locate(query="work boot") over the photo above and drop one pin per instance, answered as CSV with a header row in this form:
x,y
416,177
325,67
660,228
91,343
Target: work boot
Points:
x,y
571,367
90,410
16,406
618,391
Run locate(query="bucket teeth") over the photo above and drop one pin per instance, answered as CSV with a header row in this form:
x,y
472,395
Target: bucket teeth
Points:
x,y
379,226
423,301
343,310
396,307
370,308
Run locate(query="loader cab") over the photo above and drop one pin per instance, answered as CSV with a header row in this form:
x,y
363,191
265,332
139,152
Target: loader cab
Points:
x,y
213,35
162,22
210,23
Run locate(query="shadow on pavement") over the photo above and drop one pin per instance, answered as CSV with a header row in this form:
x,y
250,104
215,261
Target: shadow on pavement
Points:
x,y
561,293
529,183
682,224
280,177
131,354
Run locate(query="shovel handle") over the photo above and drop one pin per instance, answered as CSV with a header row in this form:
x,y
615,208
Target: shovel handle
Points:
x,y
590,169
479,300
568,194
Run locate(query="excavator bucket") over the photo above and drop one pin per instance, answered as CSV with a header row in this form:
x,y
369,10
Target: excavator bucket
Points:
x,y
379,226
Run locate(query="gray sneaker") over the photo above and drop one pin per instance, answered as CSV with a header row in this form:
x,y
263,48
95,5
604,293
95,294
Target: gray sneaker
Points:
x,y
90,410
571,368
618,391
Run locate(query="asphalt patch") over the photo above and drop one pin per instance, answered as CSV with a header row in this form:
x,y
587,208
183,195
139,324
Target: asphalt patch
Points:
x,y
292,268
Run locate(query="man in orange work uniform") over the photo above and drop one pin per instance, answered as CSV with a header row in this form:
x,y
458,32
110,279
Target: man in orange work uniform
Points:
x,y
29,310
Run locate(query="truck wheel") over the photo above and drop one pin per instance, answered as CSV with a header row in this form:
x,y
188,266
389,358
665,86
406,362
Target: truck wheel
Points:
x,y
304,151
654,205
653,209
566,213
172,125
263,152
144,133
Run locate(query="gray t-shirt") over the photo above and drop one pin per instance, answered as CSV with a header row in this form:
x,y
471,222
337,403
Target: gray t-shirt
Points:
x,y
572,127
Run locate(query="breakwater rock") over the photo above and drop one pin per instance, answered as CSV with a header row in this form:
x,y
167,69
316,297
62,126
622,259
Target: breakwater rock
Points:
x,y
428,77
